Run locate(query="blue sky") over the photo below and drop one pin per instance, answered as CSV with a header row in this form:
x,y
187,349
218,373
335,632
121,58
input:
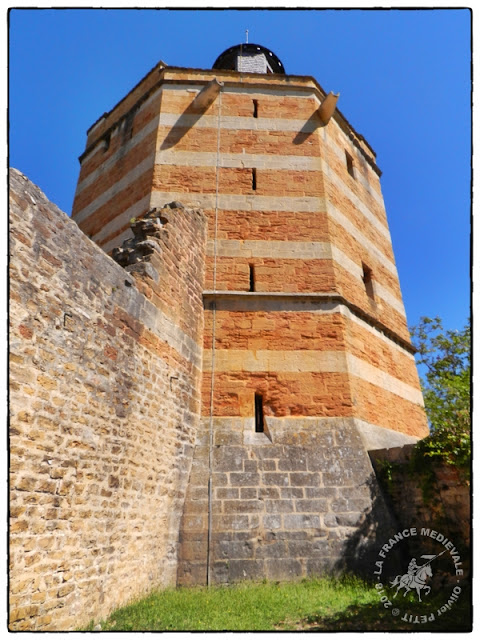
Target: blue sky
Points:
x,y
404,83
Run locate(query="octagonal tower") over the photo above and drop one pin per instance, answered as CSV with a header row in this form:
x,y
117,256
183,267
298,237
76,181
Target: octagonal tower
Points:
x,y
307,357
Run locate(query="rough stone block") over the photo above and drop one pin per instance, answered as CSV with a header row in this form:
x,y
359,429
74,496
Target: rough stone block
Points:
x,y
234,549
244,479
248,493
320,566
227,438
305,479
230,522
250,466
268,465
287,569
191,574
272,549
322,546
272,522
301,548
270,451
242,506
317,461
228,493
220,572
311,506
279,506
268,492
245,570
301,521
295,460
276,479
350,519
330,520
300,534
229,458
339,478
321,492
292,492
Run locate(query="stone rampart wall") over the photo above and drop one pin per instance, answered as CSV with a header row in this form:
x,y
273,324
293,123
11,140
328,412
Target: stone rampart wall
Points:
x,y
436,498
104,400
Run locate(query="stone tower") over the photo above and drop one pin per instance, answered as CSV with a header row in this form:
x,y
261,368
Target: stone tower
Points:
x,y
307,361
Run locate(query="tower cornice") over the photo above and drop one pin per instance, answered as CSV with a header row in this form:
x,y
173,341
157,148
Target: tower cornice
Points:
x,y
173,76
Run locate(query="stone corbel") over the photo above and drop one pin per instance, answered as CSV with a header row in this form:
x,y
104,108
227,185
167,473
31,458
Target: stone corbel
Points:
x,y
326,110
208,94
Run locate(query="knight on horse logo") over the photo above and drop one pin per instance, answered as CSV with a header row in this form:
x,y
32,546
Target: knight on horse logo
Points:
x,y
416,577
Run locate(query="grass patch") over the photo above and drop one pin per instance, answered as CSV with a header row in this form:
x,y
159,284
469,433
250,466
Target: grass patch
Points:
x,y
347,604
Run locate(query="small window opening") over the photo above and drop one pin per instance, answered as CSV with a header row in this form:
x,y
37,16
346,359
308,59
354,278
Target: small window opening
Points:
x,y
259,418
368,280
350,167
128,126
106,142
255,108
251,270
254,179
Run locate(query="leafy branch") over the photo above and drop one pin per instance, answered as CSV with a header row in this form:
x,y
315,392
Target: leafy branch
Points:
x,y
446,356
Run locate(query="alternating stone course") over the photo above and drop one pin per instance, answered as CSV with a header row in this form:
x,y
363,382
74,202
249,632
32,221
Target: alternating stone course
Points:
x,y
199,411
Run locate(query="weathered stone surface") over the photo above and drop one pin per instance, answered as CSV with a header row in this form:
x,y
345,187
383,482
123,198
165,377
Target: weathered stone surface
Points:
x,y
244,570
445,506
291,230
107,381
289,515
289,569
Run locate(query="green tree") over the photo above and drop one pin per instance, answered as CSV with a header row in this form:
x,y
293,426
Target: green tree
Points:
x,y
445,356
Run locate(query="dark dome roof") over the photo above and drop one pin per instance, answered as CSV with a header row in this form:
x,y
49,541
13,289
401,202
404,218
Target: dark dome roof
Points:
x,y
227,59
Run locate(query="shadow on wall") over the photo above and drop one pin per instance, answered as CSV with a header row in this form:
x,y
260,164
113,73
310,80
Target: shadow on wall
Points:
x,y
434,498
406,530
310,126
376,526
184,123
